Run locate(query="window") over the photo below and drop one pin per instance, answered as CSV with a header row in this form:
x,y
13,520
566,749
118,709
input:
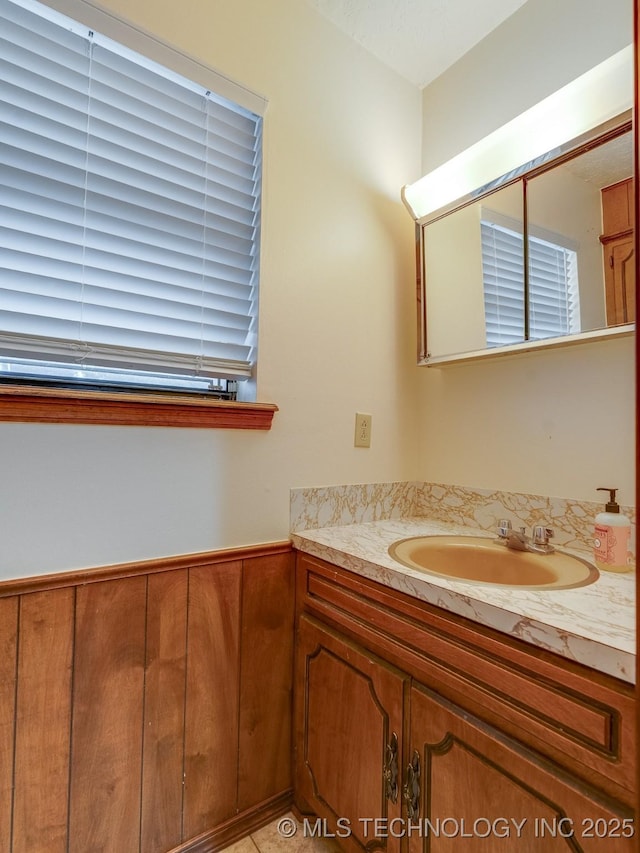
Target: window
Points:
x,y
554,307
129,240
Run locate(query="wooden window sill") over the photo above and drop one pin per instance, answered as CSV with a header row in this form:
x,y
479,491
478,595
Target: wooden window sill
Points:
x,y
30,404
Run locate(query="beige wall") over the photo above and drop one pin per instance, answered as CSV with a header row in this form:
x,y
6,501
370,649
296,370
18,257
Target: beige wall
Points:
x,y
543,46
561,422
342,134
337,328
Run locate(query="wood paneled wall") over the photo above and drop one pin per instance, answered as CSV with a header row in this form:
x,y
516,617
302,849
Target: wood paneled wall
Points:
x,y
146,707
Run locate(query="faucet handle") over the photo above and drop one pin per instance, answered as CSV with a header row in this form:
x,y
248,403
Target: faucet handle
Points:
x,y
542,534
504,528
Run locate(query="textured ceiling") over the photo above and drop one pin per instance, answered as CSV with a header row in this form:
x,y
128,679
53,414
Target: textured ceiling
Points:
x,y
417,38
606,164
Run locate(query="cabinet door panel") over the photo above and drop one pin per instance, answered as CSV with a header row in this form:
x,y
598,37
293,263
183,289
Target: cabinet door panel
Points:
x,y
484,790
348,707
620,281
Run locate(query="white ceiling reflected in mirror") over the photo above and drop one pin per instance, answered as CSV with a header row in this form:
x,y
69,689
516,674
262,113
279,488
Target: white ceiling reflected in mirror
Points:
x,y
525,253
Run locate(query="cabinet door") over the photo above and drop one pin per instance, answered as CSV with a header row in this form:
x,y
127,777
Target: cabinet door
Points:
x,y
620,281
484,790
349,714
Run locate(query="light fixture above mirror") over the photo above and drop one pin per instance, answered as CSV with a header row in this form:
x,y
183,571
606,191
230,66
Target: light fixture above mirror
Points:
x,y
594,98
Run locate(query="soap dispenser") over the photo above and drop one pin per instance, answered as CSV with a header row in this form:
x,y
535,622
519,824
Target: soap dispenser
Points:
x,y
611,537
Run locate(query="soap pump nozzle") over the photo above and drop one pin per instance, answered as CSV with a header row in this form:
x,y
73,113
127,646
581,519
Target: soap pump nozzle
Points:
x,y
612,506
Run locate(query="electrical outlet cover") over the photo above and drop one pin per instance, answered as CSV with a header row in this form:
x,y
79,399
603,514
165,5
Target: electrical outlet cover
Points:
x,y
363,430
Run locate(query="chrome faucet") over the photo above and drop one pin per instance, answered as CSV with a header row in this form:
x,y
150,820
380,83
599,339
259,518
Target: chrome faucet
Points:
x,y
518,540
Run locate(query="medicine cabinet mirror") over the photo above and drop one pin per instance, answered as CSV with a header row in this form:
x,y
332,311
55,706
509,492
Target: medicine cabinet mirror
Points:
x,y
541,257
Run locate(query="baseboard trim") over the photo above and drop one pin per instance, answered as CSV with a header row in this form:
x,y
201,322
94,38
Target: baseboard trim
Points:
x,y
239,826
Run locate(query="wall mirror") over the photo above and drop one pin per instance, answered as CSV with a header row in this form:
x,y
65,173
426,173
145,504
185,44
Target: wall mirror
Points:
x,y
541,257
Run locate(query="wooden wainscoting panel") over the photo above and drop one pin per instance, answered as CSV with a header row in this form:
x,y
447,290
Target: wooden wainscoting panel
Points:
x,y
211,712
106,747
120,703
43,720
266,674
165,679
8,652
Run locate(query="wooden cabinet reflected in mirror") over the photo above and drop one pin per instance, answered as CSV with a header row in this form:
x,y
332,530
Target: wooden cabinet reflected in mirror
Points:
x,y
618,248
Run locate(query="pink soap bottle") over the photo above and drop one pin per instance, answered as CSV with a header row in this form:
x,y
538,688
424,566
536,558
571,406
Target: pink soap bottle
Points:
x,y
612,532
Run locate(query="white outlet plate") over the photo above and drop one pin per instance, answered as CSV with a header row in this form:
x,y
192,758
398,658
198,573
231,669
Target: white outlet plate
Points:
x,y
363,431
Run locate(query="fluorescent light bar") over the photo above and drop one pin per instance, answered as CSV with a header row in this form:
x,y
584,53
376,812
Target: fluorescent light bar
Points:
x,y
597,96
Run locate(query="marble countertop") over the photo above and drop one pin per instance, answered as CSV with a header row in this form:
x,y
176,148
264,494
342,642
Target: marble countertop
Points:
x,y
593,625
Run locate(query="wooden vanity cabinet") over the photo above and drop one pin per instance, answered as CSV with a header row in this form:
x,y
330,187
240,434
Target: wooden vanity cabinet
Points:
x,y
510,747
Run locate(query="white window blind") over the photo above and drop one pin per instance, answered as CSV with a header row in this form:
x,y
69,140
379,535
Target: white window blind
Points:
x,y
503,277
553,290
130,208
554,307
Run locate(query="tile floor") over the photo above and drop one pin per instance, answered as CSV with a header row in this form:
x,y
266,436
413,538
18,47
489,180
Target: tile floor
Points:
x,y
283,835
